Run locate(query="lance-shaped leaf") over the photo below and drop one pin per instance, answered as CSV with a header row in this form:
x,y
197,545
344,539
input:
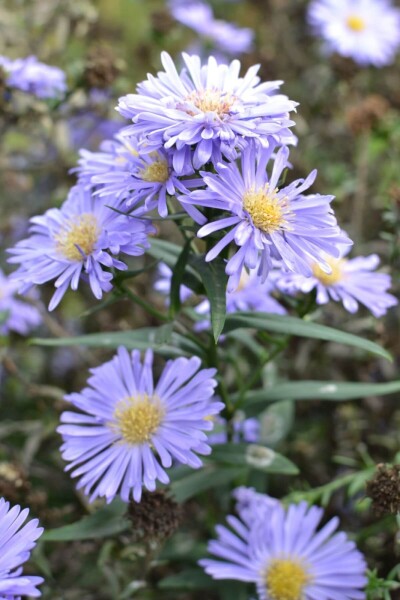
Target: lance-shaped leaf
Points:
x,y
214,280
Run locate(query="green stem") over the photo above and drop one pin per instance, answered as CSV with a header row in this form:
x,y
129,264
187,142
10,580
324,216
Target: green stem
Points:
x,y
147,307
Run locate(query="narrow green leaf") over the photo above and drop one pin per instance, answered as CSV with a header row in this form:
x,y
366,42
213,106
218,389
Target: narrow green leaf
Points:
x,y
141,339
169,253
317,390
107,521
188,580
214,280
200,481
251,455
176,281
299,327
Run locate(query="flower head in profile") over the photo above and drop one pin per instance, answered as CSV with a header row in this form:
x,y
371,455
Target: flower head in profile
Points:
x,y
224,36
78,241
352,282
208,108
16,543
368,31
269,225
125,170
131,430
20,316
284,554
34,77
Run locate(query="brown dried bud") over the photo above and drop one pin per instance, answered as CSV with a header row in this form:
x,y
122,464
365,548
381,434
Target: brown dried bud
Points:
x,y
101,68
14,485
155,517
366,114
384,490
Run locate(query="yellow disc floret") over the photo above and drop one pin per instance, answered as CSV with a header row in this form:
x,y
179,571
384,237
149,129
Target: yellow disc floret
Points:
x,y
285,580
336,274
78,237
138,417
355,23
156,172
267,211
211,100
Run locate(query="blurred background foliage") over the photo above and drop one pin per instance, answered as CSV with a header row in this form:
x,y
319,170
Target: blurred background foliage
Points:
x,y
348,124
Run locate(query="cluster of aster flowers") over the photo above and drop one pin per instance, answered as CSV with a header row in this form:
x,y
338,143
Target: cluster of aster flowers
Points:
x,y
282,552
34,77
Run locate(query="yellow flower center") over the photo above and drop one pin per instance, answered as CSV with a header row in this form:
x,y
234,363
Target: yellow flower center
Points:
x,y
267,211
336,275
211,100
355,23
285,580
156,172
78,238
138,417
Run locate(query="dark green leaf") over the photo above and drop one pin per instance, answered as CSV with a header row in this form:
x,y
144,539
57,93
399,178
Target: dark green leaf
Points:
x,y
189,580
200,481
293,326
169,253
141,339
107,521
239,454
214,280
317,390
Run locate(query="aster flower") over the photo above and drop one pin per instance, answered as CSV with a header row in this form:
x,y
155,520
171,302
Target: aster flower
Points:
x,y
284,555
16,542
352,281
244,430
123,170
224,36
207,107
368,31
34,77
21,317
132,430
78,241
267,223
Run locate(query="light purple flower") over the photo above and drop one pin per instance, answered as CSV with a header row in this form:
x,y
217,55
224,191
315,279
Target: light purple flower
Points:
x,y
208,108
244,430
16,543
283,553
78,241
21,316
368,31
34,77
351,282
266,223
131,430
136,177
224,36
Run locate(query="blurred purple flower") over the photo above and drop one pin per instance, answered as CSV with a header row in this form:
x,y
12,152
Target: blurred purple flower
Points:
x,y
224,36
266,223
368,31
34,77
77,242
244,430
207,108
283,554
130,431
162,283
16,543
352,281
20,316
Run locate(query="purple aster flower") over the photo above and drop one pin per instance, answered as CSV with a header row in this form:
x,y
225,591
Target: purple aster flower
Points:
x,y
244,430
207,107
21,316
265,222
34,77
352,281
368,31
120,170
78,241
285,556
132,430
224,36
16,542
251,505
